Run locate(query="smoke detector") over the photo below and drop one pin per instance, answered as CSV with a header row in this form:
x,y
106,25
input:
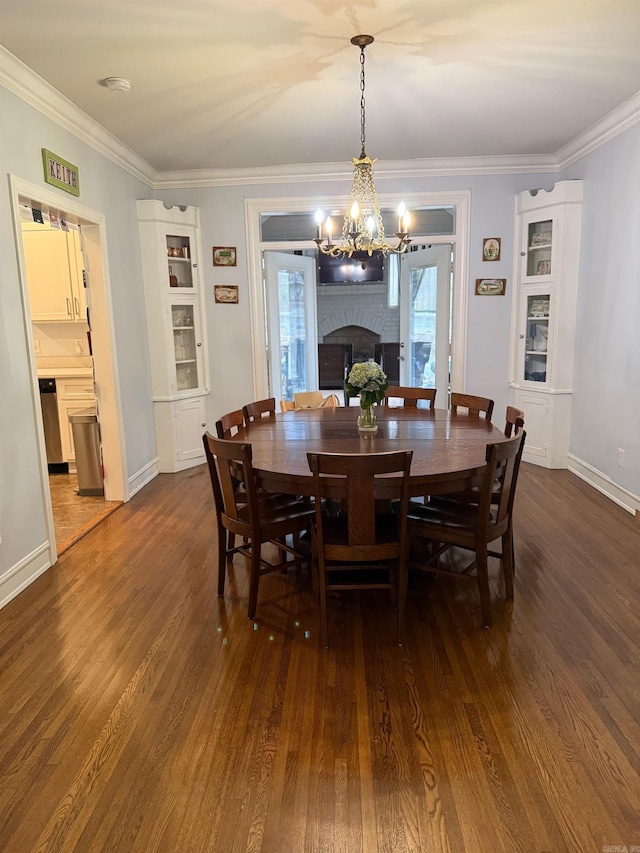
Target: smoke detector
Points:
x,y
117,84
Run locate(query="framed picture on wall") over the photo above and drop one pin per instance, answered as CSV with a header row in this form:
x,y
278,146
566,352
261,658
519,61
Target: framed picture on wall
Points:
x,y
491,286
491,248
224,256
226,293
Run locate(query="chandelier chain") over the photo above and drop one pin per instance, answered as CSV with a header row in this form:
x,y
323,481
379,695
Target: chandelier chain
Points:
x,y
362,102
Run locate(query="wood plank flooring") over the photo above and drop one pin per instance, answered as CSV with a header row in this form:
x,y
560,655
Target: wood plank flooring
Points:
x,y
139,712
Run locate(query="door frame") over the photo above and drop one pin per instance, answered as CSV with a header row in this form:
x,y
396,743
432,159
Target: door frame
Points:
x,y
273,262
257,207
102,335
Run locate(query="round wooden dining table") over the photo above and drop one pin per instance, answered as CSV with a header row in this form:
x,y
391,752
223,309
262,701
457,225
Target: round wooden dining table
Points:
x,y
448,448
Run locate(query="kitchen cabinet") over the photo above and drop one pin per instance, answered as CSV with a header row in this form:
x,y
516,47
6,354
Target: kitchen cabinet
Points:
x,y
54,267
543,320
174,300
74,395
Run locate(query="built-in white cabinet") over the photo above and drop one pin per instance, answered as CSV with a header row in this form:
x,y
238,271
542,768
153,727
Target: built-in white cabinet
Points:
x,y
174,298
54,267
543,322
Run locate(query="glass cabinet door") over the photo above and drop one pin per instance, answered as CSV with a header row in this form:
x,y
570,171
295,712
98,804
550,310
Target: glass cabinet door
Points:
x,y
185,346
179,261
539,247
536,337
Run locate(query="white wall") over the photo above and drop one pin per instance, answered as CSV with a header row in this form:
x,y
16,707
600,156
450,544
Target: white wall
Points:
x,y
606,405
492,215
107,188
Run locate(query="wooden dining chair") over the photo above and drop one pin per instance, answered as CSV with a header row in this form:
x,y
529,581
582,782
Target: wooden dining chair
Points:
x,y
287,405
411,397
360,549
474,405
227,427
473,526
314,400
261,518
259,409
514,421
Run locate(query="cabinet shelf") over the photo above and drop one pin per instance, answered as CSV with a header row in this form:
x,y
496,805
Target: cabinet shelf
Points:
x,y
173,259
185,361
546,246
536,317
539,352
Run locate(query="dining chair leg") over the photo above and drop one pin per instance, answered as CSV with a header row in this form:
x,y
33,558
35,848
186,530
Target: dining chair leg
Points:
x,y
483,585
254,577
231,544
507,563
402,602
324,626
222,559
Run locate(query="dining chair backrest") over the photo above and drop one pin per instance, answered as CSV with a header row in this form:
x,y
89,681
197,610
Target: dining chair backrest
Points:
x,y
360,535
287,405
230,424
474,405
503,464
230,462
360,471
410,397
308,399
514,421
259,409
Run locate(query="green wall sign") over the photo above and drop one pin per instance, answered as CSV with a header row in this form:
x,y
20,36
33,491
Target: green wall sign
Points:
x,y
60,173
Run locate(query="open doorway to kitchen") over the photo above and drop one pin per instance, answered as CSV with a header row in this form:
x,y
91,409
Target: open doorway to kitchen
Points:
x,y
70,343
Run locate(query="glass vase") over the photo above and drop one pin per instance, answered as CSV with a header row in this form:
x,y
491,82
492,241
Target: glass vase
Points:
x,y
367,419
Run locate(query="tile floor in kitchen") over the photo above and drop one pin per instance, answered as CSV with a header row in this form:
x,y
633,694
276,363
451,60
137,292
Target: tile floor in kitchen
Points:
x,y
73,514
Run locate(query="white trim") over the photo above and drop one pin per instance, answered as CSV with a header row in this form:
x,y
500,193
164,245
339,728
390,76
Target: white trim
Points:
x,y
143,476
26,571
617,121
18,78
106,367
35,91
605,485
254,207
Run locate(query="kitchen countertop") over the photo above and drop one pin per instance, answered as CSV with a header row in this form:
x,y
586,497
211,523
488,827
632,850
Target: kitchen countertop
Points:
x,y
50,367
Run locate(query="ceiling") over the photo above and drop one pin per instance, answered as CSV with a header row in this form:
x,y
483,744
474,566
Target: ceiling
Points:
x,y
231,84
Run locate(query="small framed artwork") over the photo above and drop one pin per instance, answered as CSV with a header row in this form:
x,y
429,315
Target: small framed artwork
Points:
x,y
227,293
491,286
224,256
491,248
543,268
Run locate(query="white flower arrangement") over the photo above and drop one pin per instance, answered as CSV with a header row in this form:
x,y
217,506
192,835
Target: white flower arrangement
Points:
x,y
368,380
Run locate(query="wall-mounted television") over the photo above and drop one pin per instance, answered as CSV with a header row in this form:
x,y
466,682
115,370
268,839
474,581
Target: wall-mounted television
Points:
x,y
355,270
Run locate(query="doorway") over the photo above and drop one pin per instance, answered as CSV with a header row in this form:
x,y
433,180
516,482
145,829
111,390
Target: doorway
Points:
x,y
100,351
440,218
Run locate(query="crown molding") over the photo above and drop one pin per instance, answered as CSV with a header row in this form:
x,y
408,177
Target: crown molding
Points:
x,y
18,78
614,123
323,172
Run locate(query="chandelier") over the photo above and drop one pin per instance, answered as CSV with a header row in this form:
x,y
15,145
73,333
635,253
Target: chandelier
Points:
x,y
362,229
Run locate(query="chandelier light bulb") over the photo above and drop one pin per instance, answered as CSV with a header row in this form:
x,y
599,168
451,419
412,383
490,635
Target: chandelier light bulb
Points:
x,y
329,227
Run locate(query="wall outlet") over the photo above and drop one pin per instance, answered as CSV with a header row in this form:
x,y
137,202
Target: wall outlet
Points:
x,y
36,346
621,457
79,346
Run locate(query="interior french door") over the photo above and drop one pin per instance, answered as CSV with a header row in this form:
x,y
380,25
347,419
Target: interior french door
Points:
x,y
425,322
292,336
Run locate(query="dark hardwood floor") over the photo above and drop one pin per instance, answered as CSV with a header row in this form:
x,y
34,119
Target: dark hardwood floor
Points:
x,y
139,712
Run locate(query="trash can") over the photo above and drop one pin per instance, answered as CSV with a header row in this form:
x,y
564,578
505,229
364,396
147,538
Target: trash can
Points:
x,y
86,440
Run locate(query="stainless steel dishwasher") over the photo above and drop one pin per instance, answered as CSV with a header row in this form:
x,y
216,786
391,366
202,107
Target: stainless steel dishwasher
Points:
x,y
52,439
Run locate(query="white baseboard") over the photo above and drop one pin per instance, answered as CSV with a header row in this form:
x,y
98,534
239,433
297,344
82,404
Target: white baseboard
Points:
x,y
145,475
627,500
24,573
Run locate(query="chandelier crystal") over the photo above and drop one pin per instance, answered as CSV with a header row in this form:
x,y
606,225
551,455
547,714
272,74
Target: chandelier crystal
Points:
x,y
362,228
